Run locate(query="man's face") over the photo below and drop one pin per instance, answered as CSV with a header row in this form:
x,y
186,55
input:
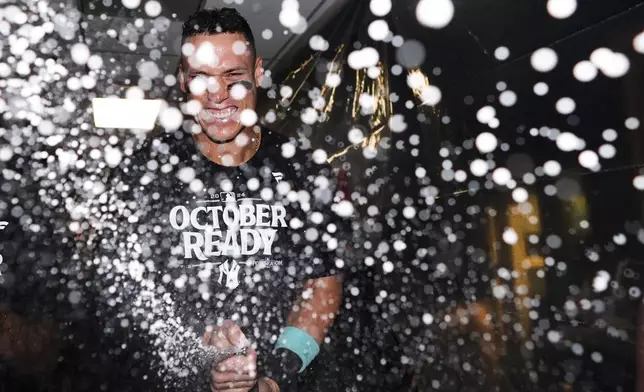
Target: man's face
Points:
x,y
219,72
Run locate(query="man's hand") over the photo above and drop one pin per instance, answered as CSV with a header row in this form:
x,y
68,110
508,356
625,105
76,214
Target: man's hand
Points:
x,y
236,374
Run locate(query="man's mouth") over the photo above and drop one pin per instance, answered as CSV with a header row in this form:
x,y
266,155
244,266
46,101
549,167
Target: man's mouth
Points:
x,y
218,115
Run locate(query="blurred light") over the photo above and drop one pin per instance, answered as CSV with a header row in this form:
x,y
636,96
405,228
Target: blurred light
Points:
x,y
378,30
561,9
632,123
318,43
638,42
565,105
435,13
131,4
153,8
585,71
541,89
126,113
380,7
502,53
486,142
617,67
544,60
485,114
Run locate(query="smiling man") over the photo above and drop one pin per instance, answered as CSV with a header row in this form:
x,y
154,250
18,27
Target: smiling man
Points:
x,y
228,68
282,309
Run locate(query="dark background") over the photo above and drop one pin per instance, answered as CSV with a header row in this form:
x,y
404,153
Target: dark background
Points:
x,y
50,343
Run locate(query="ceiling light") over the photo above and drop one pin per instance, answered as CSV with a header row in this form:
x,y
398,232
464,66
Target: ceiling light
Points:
x,y
126,113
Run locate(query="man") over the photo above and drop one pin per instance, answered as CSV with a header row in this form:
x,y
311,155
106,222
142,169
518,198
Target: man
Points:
x,y
231,77
256,217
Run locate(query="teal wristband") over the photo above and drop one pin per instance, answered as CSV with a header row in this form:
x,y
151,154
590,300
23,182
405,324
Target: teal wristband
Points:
x,y
301,343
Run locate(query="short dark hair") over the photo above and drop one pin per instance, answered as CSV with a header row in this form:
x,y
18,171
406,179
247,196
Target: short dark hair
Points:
x,y
218,21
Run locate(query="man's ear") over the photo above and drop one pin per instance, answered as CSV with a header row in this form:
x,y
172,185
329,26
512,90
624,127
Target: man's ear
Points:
x,y
259,71
182,79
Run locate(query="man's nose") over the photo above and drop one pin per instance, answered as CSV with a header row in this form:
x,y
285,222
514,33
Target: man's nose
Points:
x,y
217,89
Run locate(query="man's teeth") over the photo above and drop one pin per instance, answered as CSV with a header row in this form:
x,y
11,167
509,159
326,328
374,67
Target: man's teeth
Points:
x,y
221,114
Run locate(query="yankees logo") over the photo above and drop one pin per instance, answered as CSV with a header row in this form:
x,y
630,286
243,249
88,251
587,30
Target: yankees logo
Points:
x,y
231,272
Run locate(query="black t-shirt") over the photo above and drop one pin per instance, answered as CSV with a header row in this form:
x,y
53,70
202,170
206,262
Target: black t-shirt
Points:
x,y
195,242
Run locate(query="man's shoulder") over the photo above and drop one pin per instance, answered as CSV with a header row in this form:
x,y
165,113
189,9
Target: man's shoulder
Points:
x,y
149,163
303,159
276,142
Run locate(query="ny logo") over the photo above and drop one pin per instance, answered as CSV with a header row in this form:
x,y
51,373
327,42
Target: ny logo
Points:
x,y
231,272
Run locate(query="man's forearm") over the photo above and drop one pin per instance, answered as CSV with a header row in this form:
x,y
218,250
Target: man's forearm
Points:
x,y
312,314
315,309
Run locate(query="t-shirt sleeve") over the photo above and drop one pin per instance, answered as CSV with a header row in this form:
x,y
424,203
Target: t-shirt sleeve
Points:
x,y
326,233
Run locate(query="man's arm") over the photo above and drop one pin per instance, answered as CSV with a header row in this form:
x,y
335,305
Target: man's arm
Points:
x,y
315,309
313,312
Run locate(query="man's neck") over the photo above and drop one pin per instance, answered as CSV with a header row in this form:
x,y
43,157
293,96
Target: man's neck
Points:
x,y
232,153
